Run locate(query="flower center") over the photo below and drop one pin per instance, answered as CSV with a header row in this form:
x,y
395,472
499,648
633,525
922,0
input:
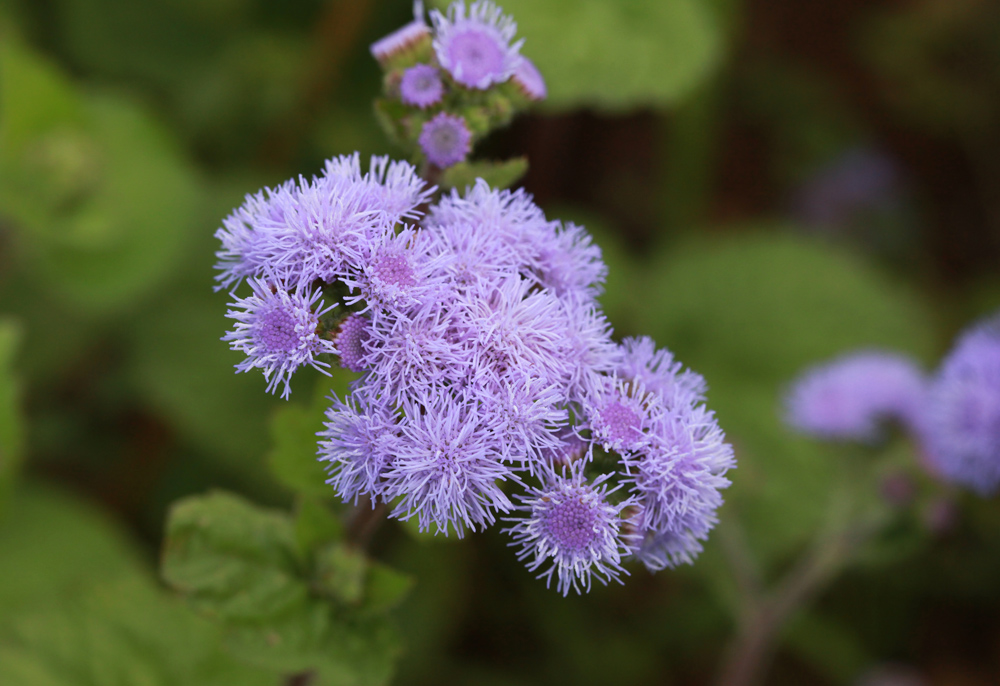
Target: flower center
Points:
x,y
277,331
620,423
571,524
394,270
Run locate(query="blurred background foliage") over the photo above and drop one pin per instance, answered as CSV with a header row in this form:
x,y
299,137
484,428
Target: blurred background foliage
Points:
x,y
772,183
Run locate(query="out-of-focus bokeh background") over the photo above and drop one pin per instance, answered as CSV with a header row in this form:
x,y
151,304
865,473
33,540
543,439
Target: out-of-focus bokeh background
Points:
x,y
772,182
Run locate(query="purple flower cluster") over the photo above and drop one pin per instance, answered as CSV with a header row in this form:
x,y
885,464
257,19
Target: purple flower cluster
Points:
x,y
953,414
490,385
440,69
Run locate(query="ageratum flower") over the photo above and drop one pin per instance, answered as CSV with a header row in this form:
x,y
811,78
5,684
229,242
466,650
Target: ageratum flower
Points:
x,y
529,80
572,526
404,39
962,431
276,330
476,49
850,397
445,139
349,342
320,228
421,86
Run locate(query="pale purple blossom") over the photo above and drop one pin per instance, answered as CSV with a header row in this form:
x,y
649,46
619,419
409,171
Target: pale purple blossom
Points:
x,y
476,48
421,86
850,397
445,139
404,39
276,330
962,430
572,526
529,80
349,342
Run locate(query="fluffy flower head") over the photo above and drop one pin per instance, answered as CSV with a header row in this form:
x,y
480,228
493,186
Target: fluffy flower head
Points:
x,y
445,139
475,48
421,86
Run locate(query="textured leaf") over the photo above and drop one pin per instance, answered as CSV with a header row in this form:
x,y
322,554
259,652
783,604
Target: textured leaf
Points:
x,y
78,607
233,560
341,651
315,525
617,54
11,430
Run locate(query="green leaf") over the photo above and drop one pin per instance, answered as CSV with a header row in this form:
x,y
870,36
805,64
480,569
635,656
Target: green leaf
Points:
x,y
293,431
11,429
79,608
340,651
341,571
53,545
231,559
101,194
386,588
496,174
187,373
617,54
118,632
315,525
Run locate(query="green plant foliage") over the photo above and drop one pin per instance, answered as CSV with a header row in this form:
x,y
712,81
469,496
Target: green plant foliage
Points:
x,y
497,174
78,608
184,370
231,560
282,606
293,433
750,313
11,429
617,54
100,195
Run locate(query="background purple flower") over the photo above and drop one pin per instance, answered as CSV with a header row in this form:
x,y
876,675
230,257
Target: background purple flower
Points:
x,y
963,411
445,139
421,86
476,49
848,398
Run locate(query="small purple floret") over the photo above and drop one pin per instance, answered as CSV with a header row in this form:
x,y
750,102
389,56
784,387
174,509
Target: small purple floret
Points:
x,y
354,331
276,330
529,80
421,86
445,139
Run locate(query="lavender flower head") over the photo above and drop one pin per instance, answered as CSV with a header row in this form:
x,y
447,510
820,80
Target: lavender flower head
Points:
x,y
476,48
421,86
575,528
403,39
445,139
529,80
849,398
963,411
277,332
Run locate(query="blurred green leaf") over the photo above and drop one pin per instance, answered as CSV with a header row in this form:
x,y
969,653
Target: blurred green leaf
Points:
x,y
231,559
11,429
99,193
186,371
293,432
79,608
52,545
315,524
617,54
340,651
340,572
121,632
386,588
496,174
